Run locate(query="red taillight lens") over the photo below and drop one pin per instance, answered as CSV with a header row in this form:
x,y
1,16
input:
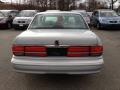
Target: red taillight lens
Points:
x,y
35,51
84,51
78,51
73,51
18,50
96,50
40,51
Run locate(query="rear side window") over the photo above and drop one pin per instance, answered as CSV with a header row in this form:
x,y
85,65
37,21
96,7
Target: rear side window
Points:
x,y
64,21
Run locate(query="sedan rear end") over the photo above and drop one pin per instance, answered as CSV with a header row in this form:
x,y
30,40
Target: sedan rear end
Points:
x,y
58,42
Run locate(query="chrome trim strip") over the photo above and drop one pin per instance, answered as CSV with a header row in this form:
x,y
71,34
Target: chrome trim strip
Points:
x,y
60,46
35,52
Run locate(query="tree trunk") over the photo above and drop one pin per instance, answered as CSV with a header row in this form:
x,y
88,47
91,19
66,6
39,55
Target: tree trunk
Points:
x,y
112,7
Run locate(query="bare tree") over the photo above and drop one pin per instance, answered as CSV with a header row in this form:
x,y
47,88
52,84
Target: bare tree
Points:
x,y
53,4
92,4
112,2
95,4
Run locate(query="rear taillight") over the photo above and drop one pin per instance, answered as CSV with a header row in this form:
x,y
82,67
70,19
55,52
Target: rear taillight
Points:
x,y
40,51
35,51
18,50
78,51
73,51
83,51
96,50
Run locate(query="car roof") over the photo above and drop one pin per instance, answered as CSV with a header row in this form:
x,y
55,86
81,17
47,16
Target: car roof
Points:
x,y
29,10
78,10
107,10
59,12
89,12
8,10
51,10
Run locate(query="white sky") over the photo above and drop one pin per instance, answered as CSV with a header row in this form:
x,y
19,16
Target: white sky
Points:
x,y
117,4
10,1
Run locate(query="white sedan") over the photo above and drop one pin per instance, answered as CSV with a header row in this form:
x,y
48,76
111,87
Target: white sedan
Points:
x,y
23,19
57,42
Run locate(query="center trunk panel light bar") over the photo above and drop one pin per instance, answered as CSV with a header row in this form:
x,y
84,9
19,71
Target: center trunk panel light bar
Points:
x,y
72,51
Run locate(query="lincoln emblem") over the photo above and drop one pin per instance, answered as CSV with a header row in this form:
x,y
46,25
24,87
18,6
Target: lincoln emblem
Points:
x,y
56,43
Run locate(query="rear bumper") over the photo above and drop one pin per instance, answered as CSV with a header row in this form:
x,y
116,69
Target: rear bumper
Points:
x,y
60,66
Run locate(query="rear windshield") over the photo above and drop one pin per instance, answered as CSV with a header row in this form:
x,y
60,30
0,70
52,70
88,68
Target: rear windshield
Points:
x,y
108,14
58,21
26,14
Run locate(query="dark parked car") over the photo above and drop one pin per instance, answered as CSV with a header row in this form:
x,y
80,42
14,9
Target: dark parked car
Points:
x,y
6,18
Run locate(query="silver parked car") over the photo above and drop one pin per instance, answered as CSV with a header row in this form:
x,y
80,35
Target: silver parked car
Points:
x,y
23,19
57,42
84,14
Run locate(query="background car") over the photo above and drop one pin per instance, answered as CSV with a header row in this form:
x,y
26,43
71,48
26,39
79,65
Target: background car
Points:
x,y
6,18
23,19
52,10
105,19
57,42
84,14
89,14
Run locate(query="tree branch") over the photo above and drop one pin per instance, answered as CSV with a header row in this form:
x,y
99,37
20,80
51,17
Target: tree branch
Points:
x,y
114,1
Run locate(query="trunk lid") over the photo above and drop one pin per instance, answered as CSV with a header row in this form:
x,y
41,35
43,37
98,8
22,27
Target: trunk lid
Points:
x,y
65,37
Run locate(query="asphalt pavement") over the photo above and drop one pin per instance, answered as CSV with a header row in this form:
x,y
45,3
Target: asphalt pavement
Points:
x,y
107,79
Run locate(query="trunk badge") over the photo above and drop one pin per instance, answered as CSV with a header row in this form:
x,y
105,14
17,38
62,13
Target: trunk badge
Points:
x,y
56,43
